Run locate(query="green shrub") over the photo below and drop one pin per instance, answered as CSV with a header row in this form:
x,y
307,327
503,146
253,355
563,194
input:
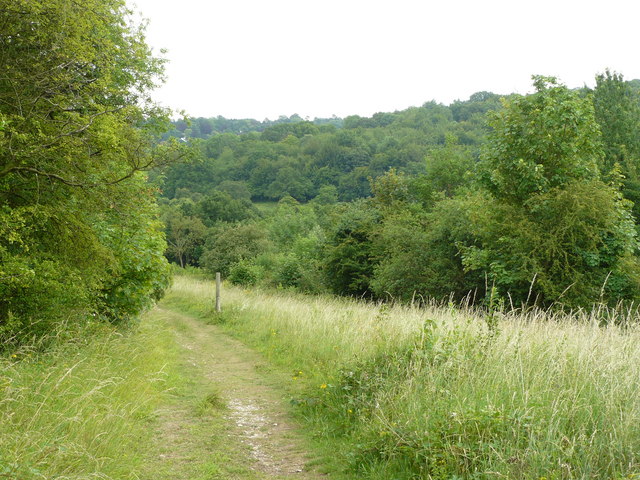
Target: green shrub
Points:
x,y
245,273
228,244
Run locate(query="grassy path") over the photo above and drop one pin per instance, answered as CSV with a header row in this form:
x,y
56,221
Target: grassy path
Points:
x,y
388,392
229,420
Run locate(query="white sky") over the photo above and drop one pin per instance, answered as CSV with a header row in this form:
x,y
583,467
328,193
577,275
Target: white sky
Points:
x,y
266,58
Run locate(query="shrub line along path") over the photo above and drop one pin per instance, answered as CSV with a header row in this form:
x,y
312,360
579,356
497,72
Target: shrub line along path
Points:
x,y
254,409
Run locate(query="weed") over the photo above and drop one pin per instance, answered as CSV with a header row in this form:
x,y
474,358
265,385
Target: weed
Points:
x,y
210,401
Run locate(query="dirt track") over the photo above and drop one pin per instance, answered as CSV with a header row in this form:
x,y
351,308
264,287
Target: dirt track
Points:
x,y
255,411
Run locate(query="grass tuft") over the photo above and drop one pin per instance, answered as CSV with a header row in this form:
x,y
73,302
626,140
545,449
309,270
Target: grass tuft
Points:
x,y
82,407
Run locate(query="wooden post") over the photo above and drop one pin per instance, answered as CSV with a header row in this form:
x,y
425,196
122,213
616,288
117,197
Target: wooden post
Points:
x,y
218,309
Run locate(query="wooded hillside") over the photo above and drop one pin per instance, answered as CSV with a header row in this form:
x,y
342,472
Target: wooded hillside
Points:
x,y
517,198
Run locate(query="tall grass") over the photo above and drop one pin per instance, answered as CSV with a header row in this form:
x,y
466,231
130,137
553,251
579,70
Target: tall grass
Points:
x,y
82,408
441,392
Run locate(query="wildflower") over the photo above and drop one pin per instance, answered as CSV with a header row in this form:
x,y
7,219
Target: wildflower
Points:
x,y
324,385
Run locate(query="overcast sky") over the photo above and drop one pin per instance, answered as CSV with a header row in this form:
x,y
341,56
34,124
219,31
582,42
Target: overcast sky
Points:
x,y
266,58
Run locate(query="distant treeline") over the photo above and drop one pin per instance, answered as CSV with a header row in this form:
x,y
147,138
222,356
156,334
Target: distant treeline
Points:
x,y
502,200
297,158
201,127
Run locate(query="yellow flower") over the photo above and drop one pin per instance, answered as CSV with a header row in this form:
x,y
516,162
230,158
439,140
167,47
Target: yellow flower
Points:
x,y
324,385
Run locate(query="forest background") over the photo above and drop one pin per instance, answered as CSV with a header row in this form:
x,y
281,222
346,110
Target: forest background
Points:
x,y
517,199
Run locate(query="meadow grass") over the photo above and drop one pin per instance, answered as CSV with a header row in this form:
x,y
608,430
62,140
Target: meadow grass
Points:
x,y
94,401
441,392
266,207
82,408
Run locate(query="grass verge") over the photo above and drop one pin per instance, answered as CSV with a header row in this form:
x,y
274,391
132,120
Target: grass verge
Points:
x,y
81,409
112,404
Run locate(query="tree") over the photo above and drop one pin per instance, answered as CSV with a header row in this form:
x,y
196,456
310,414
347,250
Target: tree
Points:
x,y
185,237
75,82
418,252
219,206
415,243
290,221
349,258
78,220
545,220
327,195
229,244
617,110
539,142
290,181
237,190
448,166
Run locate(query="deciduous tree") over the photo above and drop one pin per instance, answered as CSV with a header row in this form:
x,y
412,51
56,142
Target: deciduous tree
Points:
x,y
546,216
79,226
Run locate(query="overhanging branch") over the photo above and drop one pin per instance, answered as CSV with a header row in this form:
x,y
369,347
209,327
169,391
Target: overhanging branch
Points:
x,y
72,183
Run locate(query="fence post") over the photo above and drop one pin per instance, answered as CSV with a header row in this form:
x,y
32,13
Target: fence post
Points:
x,y
218,308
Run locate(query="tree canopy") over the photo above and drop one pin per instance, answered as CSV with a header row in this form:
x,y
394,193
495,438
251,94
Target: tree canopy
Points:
x,y
550,226
79,231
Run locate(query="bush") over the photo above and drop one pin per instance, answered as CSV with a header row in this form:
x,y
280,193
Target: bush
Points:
x,y
229,244
349,258
245,273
